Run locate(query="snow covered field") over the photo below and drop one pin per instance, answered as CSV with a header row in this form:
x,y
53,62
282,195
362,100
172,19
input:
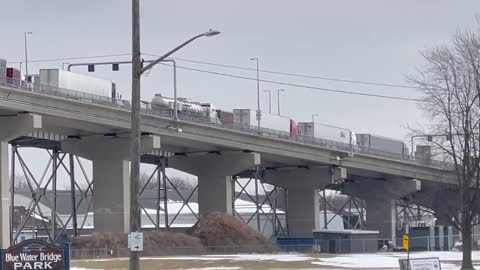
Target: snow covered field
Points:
x,y
450,260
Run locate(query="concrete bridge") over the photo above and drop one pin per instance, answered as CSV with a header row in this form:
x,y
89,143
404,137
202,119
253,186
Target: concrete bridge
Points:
x,y
98,130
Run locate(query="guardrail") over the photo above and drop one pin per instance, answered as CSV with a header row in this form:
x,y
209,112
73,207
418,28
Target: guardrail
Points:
x,y
187,117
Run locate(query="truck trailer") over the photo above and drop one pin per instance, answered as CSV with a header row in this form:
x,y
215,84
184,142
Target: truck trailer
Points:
x,y
65,80
248,117
327,132
380,144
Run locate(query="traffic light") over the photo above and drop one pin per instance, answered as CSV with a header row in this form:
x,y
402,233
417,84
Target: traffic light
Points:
x,y
115,67
91,68
430,138
449,137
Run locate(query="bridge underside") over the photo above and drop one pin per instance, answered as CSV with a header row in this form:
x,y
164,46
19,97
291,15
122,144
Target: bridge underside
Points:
x,y
39,204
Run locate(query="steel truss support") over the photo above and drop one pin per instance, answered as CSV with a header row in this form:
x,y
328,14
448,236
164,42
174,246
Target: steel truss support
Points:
x,y
267,200
351,210
40,217
160,182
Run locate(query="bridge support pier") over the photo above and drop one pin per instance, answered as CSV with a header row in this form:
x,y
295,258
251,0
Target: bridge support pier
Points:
x,y
13,127
303,203
381,216
214,172
303,212
379,195
111,177
111,199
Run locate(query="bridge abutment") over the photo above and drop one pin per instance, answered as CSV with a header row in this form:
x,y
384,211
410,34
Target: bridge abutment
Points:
x,y
111,177
214,172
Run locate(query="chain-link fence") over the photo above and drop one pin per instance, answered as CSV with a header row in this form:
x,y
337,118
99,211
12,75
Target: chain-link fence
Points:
x,y
304,246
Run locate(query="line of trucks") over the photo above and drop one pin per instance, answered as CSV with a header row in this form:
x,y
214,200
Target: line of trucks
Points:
x,y
101,88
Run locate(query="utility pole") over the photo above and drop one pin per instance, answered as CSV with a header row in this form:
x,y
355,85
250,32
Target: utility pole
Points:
x,y
259,112
134,262
137,71
269,100
278,99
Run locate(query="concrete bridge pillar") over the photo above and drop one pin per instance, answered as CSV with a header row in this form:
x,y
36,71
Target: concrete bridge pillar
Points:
x,y
379,195
214,172
380,216
303,202
11,128
111,177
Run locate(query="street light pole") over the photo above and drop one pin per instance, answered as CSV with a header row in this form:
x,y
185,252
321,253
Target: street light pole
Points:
x,y
269,100
278,97
137,71
26,54
259,112
134,261
313,117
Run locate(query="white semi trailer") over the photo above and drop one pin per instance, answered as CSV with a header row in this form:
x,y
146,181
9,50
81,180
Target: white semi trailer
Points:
x,y
248,117
327,132
382,145
77,82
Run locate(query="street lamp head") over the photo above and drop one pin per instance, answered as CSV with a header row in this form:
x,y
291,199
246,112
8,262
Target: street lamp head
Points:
x,y
28,33
211,33
255,58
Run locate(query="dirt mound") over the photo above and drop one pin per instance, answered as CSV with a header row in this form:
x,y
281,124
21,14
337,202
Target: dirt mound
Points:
x,y
155,243
223,231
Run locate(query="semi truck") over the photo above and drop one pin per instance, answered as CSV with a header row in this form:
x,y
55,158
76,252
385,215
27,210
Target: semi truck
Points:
x,y
248,117
65,80
327,132
380,144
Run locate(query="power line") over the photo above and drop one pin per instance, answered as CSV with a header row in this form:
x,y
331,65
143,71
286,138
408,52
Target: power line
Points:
x,y
300,85
254,79
294,74
72,58
231,66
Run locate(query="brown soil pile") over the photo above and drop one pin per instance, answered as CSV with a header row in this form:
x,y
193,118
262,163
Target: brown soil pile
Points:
x,y
225,232
155,243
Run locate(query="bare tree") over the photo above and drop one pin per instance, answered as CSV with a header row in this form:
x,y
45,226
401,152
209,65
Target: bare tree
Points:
x,y
450,82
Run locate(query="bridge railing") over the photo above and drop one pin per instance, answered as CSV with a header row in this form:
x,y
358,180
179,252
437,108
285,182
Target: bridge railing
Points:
x,y
183,116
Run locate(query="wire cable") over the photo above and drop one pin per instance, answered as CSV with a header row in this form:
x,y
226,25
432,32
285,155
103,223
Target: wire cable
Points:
x,y
71,58
293,74
299,85
254,79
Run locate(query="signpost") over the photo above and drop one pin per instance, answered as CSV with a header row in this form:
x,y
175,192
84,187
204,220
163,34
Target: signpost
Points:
x,y
35,254
136,241
406,242
406,246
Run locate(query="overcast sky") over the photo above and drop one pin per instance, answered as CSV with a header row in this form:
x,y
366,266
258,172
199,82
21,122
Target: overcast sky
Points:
x,y
377,41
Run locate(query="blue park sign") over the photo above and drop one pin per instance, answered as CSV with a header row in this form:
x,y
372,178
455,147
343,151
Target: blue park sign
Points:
x,y
35,255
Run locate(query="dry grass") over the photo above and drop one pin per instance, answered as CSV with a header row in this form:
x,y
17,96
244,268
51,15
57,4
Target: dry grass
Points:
x,y
220,229
155,243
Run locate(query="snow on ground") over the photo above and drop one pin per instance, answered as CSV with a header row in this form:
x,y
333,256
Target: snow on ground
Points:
x,y
390,260
450,260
